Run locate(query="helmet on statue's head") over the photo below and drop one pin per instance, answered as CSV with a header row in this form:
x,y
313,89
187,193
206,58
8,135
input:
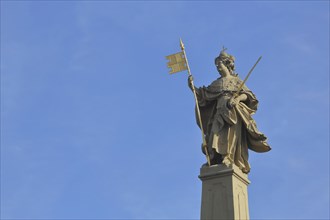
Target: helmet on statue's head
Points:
x,y
227,59
224,57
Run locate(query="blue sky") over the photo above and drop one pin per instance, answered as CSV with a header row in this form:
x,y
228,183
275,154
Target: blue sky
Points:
x,y
93,126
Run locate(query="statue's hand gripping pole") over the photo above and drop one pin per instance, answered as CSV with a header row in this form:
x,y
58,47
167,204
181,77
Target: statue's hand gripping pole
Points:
x,y
197,106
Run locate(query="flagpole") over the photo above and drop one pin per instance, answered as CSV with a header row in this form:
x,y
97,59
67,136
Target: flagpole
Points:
x,y
197,106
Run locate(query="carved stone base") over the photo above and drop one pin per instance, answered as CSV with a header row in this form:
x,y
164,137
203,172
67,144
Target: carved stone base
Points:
x,y
224,193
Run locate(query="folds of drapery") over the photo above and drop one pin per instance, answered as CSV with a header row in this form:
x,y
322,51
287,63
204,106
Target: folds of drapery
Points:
x,y
216,115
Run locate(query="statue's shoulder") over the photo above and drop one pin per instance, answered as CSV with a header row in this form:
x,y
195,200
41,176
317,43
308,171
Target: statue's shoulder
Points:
x,y
216,82
239,82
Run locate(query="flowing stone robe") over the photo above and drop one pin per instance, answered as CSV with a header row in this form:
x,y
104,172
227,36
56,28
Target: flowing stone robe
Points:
x,y
230,131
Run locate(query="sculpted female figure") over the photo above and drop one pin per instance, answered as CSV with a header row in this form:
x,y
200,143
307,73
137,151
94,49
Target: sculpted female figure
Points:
x,y
229,128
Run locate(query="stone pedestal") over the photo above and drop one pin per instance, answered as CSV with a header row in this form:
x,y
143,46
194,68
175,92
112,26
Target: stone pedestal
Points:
x,y
224,193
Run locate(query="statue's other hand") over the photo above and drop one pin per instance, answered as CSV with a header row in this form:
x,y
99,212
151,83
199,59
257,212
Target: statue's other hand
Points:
x,y
242,97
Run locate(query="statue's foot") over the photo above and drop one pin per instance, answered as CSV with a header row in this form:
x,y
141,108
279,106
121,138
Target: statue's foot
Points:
x,y
226,161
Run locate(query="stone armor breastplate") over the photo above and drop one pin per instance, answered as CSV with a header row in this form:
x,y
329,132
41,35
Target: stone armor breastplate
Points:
x,y
227,84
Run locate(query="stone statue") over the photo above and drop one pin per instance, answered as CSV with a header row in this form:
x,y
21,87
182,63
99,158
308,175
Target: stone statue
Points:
x,y
226,119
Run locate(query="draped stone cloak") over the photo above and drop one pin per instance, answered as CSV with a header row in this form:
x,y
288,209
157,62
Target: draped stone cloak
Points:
x,y
230,131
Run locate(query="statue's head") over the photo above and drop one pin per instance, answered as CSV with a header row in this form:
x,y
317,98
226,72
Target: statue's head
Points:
x,y
228,62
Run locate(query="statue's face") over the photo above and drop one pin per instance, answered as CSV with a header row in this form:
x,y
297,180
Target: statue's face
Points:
x,y
222,69
225,66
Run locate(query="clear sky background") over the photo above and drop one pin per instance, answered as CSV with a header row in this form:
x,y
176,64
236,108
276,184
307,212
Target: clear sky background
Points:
x,y
93,126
